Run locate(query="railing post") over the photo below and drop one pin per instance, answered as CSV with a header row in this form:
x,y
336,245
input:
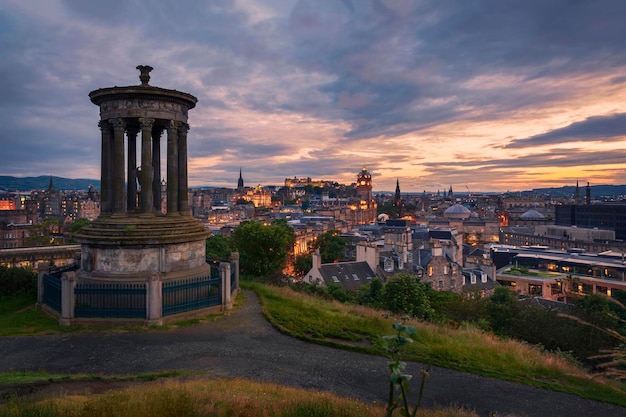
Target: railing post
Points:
x,y
43,268
68,298
154,300
234,259
225,276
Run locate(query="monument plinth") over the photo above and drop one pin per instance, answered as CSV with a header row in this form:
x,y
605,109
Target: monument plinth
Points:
x,y
133,239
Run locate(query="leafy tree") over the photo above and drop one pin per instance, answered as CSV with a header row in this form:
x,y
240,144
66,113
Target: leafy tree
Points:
x,y
502,295
77,226
263,249
40,234
405,294
371,294
331,245
219,247
303,263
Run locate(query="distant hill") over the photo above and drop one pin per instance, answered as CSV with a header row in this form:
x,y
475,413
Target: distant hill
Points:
x,y
597,191
9,183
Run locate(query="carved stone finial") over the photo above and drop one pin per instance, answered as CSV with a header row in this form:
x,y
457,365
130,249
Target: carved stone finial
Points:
x,y
145,74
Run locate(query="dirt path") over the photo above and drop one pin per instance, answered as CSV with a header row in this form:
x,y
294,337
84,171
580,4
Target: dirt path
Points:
x,y
244,344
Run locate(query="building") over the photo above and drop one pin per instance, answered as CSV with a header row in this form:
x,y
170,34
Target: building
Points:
x,y
365,207
562,237
350,275
560,275
601,215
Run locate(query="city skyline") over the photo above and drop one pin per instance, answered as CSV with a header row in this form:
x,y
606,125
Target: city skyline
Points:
x,y
480,96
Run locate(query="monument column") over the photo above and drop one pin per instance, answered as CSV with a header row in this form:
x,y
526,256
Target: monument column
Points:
x,y
145,177
172,168
105,168
156,169
131,170
183,187
118,165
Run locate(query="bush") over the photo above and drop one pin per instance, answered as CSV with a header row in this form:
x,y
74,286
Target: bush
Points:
x,y
405,294
15,281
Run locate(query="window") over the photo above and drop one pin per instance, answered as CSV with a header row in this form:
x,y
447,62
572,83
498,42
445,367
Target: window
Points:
x,y
388,264
473,278
335,279
445,269
355,276
440,284
430,271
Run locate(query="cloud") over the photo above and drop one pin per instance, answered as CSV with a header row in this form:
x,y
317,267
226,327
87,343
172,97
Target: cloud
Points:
x,y
320,88
610,128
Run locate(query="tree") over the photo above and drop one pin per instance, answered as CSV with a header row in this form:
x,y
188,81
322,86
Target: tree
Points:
x,y
371,294
303,263
77,226
219,247
406,294
40,234
331,245
263,249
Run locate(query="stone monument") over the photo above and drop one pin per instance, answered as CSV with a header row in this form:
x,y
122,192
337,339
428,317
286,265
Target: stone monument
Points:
x,y
132,240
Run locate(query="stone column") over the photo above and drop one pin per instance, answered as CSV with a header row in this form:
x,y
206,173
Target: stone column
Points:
x,y
68,298
131,170
147,173
118,165
106,203
183,187
156,169
234,260
172,168
154,300
227,303
43,268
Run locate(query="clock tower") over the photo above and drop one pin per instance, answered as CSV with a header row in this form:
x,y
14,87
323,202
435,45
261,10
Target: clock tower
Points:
x,y
364,186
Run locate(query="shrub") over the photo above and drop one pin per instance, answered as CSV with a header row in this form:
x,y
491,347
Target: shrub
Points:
x,y
405,294
17,281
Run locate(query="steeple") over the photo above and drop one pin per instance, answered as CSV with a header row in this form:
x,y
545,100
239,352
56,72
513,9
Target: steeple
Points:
x,y
588,194
240,181
577,194
51,186
397,201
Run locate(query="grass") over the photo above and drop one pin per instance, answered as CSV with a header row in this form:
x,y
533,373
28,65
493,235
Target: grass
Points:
x,y
19,316
26,377
467,349
207,397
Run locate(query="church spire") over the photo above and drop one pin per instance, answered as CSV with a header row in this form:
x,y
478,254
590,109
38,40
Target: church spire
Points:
x,y
240,181
397,201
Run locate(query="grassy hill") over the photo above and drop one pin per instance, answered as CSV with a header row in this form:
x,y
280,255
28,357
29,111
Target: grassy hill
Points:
x,y
348,327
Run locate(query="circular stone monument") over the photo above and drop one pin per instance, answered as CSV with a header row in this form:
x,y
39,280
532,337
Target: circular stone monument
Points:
x,y
134,239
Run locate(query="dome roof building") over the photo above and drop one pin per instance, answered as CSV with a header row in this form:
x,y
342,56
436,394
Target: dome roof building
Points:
x,y
532,215
457,211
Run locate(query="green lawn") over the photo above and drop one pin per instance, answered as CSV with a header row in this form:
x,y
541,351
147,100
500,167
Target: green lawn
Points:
x,y
466,349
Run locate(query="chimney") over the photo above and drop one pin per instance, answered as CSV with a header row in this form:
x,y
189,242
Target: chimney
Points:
x,y
317,259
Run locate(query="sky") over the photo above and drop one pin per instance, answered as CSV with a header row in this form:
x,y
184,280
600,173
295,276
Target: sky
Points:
x,y
480,95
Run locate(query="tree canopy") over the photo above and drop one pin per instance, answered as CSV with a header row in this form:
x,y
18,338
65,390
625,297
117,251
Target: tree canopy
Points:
x,y
263,248
331,246
219,247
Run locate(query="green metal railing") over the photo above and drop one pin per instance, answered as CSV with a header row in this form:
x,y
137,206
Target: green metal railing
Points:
x,y
119,300
191,294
